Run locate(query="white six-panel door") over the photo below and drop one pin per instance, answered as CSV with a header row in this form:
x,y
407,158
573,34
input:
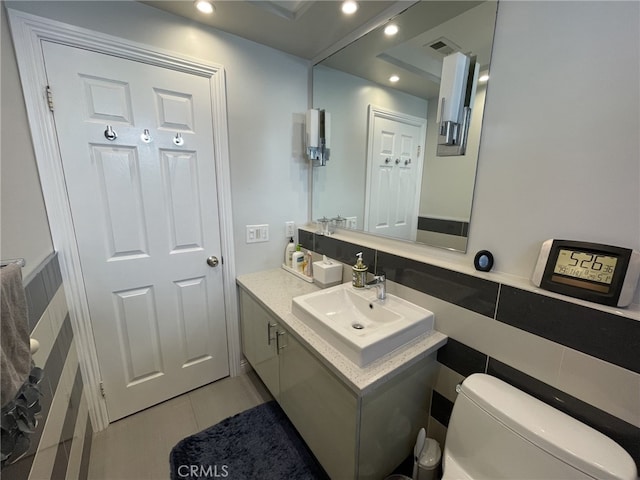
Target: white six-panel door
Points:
x,y
145,213
394,167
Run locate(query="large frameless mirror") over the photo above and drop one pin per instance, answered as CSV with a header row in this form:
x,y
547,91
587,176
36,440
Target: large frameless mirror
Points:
x,y
385,176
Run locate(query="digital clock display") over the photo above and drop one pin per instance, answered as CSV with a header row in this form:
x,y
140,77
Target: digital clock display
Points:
x,y
591,271
586,266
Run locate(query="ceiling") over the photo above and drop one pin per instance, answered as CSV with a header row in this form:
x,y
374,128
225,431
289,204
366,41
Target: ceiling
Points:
x,y
299,27
318,30
462,26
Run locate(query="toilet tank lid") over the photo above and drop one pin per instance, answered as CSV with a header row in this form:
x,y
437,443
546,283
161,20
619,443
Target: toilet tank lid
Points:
x,y
555,432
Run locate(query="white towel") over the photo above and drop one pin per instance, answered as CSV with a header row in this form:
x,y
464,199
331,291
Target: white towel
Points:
x,y
15,360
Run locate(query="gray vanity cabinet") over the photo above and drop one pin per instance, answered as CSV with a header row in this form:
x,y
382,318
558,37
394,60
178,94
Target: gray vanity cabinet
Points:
x,y
260,341
363,436
321,407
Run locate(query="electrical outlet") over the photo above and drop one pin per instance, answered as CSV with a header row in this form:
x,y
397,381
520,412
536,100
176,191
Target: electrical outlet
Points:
x,y
352,222
289,229
257,233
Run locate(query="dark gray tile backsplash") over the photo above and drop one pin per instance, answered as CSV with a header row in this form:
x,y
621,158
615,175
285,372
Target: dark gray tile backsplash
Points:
x,y
461,358
37,300
441,408
40,286
51,276
448,227
612,338
306,239
472,293
344,252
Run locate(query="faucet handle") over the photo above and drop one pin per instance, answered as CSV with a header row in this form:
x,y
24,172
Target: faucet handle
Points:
x,y
380,283
378,278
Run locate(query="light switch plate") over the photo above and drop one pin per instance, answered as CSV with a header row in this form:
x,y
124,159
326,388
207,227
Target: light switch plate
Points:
x,y
257,233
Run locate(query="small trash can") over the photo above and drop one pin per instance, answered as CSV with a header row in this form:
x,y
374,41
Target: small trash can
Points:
x,y
429,460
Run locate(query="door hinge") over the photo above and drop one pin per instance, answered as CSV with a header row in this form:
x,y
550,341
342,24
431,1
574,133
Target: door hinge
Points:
x,y
102,390
50,98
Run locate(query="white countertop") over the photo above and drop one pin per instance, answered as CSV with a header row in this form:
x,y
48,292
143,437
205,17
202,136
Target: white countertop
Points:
x,y
275,289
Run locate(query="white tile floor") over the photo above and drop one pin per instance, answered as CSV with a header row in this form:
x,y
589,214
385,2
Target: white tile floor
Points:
x,y
137,447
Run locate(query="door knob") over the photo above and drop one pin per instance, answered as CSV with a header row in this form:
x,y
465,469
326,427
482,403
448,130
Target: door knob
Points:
x,y
212,261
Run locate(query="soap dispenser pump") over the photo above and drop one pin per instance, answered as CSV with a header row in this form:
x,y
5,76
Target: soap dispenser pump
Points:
x,y
359,272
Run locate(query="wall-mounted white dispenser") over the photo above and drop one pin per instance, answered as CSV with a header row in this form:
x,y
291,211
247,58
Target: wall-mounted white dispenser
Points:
x,y
318,130
457,93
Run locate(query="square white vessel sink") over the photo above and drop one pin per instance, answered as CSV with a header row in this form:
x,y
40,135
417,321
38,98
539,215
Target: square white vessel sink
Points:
x,y
359,325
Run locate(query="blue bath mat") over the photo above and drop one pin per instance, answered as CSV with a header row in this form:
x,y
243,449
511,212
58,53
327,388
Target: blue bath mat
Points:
x,y
258,444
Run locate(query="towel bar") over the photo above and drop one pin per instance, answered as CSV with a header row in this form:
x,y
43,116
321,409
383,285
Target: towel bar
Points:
x,y
19,261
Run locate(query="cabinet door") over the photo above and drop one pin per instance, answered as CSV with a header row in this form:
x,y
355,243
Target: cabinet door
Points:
x,y
259,341
322,409
391,416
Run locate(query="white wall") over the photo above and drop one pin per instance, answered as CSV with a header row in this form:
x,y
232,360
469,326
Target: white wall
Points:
x,y
266,92
24,230
560,149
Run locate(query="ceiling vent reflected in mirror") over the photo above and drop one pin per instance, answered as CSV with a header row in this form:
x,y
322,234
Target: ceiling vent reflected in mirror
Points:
x,y
442,47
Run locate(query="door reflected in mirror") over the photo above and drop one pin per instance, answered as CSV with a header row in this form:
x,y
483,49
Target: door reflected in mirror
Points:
x,y
384,176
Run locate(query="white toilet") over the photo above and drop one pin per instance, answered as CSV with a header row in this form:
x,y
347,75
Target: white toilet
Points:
x,y
499,432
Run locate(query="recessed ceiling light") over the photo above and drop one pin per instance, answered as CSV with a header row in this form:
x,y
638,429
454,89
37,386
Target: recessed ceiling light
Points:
x,y
484,78
349,7
394,78
391,29
205,6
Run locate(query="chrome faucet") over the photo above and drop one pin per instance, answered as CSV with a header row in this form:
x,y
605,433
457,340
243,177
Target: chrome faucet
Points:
x,y
380,283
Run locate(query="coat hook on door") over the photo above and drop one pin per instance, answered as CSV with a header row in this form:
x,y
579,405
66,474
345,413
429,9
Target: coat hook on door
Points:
x,y
110,134
145,136
178,140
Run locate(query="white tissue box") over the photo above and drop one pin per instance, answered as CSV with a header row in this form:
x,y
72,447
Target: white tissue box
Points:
x,y
327,274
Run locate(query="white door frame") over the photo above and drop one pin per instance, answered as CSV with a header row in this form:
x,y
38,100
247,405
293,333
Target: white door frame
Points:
x,y
28,31
381,112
